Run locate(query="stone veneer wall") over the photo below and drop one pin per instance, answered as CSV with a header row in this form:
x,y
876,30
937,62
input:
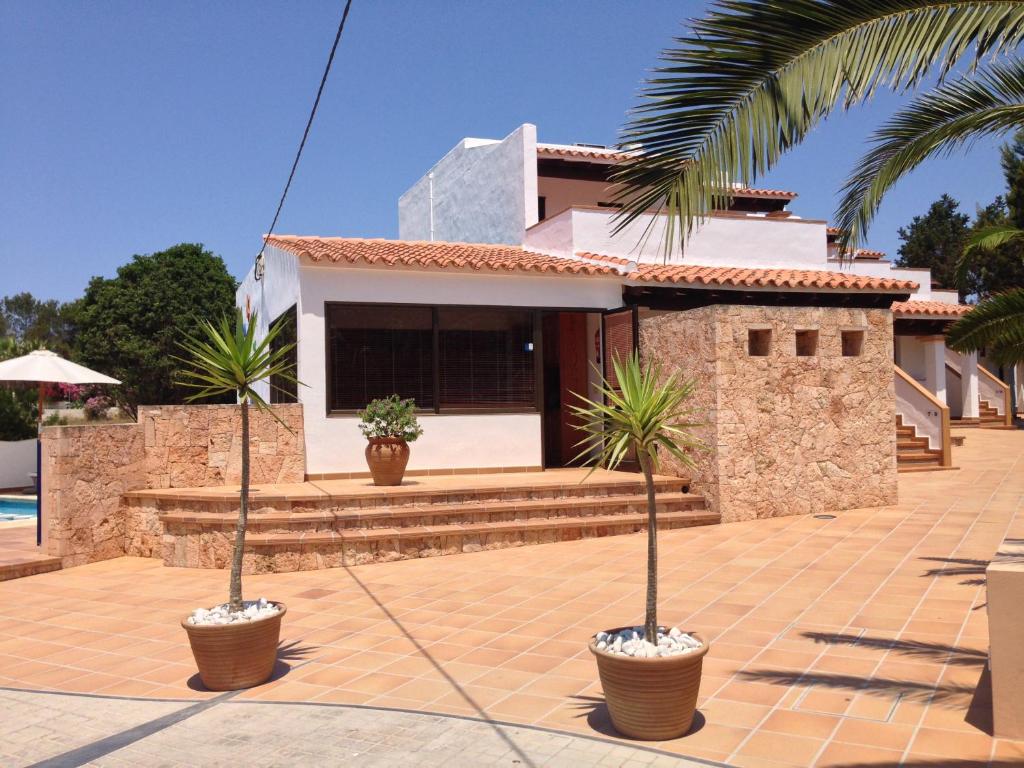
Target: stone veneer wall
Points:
x,y
787,434
87,469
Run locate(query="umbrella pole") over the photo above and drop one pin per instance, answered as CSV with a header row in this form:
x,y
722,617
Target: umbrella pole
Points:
x,y
39,471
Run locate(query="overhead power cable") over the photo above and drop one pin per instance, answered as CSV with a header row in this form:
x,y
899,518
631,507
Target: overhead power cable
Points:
x,y
258,269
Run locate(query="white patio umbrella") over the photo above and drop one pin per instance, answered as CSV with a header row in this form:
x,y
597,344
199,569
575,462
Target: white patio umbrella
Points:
x,y
46,367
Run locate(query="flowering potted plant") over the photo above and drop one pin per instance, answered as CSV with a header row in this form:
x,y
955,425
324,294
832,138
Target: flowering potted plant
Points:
x,y
389,425
650,674
235,643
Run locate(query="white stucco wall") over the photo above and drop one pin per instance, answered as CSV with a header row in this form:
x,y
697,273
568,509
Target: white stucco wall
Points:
x,y
269,297
728,240
910,356
17,461
565,193
334,443
482,191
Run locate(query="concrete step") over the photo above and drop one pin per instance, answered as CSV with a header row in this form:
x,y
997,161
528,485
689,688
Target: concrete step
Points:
x,y
277,552
427,514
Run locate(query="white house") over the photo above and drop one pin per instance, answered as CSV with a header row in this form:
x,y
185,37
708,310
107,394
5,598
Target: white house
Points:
x,y
507,288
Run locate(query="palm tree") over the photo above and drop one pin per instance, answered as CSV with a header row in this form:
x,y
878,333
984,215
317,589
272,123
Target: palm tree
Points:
x,y
229,359
643,412
753,77
996,324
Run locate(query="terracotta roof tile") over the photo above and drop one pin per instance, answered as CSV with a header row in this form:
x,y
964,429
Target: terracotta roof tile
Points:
x,y
583,153
732,277
929,309
865,253
473,256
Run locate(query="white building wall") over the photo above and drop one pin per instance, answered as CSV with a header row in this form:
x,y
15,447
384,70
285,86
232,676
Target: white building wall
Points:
x,y
17,461
482,191
726,240
277,292
334,443
561,194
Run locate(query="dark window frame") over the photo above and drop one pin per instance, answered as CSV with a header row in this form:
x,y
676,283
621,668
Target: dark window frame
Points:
x,y
436,408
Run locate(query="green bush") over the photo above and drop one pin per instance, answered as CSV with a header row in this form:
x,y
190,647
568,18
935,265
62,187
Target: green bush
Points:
x,y
391,417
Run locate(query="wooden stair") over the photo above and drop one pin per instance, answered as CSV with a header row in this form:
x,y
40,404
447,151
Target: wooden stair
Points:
x,y
912,452
294,533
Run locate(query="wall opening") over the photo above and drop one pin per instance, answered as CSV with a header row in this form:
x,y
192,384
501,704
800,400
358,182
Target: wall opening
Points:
x,y
806,343
759,342
853,343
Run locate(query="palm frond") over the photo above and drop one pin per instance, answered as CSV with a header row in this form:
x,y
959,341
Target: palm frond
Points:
x,y
228,358
982,241
752,77
938,122
996,324
644,411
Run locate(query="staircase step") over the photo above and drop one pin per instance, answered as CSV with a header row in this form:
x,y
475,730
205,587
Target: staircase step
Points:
x,y
435,514
911,444
324,549
920,457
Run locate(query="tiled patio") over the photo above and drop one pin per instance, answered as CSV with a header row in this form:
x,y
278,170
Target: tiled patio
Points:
x,y
853,641
19,555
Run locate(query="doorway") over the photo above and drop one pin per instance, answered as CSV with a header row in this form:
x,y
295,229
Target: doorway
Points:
x,y
566,358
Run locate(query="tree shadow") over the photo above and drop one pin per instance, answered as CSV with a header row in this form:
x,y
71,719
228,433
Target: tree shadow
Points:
x,y
948,695
916,649
961,566
595,709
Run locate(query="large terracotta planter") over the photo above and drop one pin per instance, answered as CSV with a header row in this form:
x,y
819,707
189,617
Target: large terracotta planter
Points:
x,y
234,656
651,699
387,458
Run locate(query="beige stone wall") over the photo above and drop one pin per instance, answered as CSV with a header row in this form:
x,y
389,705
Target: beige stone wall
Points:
x,y
190,446
789,435
86,469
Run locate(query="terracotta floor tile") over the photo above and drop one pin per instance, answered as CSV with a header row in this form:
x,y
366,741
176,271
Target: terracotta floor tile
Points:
x,y
801,724
838,754
775,746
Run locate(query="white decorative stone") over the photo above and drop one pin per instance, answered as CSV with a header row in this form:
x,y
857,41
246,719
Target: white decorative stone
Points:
x,y
631,642
252,610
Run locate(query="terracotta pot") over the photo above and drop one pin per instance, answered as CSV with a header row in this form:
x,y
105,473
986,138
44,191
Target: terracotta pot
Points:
x,y
234,656
387,458
651,699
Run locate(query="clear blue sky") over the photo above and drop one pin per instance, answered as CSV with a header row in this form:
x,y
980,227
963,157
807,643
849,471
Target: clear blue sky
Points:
x,y
126,127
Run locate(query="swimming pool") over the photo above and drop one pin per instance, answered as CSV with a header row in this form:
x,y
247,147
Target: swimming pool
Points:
x,y
17,509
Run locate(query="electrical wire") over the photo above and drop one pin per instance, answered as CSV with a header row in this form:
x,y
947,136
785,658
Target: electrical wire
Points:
x,y
259,267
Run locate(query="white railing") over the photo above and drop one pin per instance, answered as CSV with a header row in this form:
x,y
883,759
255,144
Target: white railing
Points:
x,y
920,409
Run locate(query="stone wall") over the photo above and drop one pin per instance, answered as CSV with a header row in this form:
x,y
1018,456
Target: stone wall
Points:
x,y
191,446
87,469
787,434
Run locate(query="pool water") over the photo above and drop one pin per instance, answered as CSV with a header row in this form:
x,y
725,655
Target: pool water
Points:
x,y
17,509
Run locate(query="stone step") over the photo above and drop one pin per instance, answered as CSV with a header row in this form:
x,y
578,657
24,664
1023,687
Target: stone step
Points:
x,y
430,514
28,567
278,552
919,457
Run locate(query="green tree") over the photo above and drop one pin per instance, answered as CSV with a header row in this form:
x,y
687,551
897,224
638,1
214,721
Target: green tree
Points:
x,y
129,326
645,412
1011,158
749,81
227,360
46,323
998,264
18,402
936,241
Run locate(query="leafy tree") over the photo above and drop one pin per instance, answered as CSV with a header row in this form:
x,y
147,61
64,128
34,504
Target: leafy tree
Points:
x,y
935,241
28,319
1011,158
129,326
752,78
994,257
645,412
226,359
18,402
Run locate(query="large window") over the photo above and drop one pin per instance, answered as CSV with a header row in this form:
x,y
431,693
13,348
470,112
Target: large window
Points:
x,y
446,358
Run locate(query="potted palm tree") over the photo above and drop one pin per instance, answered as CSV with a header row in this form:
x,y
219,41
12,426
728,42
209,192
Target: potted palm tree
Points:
x,y
650,674
389,424
235,643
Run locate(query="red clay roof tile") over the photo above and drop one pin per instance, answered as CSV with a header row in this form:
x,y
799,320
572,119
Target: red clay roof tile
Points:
x,y
733,277
929,308
474,256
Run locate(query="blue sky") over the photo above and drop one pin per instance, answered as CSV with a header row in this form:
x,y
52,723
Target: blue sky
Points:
x,y
127,127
